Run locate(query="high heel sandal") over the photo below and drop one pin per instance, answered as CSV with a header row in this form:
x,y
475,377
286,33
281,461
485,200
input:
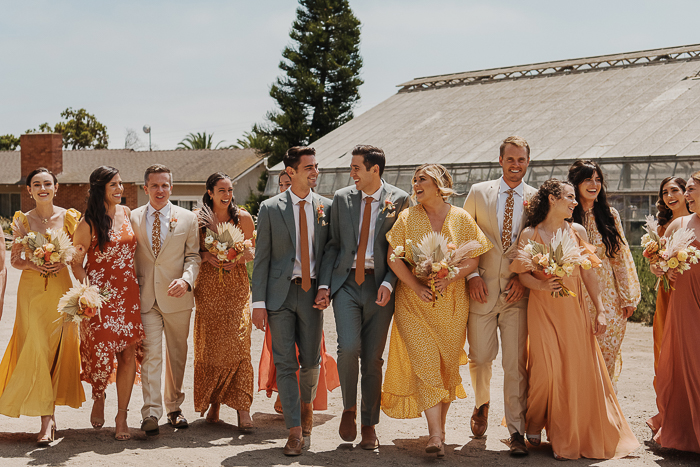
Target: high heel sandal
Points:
x,y
435,448
122,435
98,422
245,428
48,439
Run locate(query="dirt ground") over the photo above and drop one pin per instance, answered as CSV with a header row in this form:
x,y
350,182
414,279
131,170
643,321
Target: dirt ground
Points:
x,y
402,441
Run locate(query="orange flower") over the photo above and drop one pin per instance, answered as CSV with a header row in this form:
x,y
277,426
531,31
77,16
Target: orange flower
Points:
x,y
442,273
231,254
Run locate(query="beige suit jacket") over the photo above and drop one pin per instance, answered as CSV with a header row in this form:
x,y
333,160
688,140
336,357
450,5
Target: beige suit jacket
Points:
x,y
482,204
178,259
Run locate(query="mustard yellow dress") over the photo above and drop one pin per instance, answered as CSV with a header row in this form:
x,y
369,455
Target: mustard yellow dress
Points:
x,y
427,343
44,349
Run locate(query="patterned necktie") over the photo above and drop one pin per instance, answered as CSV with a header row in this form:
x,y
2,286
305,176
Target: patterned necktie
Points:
x,y
362,247
507,233
304,244
155,237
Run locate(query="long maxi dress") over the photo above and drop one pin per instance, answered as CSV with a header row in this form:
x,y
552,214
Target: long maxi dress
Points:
x,y
427,342
223,372
118,325
43,348
662,300
678,378
570,393
619,288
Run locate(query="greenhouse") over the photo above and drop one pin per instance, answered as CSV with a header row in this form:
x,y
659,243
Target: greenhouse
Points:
x,y
636,114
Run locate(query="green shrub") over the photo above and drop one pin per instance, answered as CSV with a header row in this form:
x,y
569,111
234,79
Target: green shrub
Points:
x,y
645,311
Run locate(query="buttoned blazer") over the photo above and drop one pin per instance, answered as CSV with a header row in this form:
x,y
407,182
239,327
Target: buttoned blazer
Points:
x,y
482,204
275,249
178,259
345,233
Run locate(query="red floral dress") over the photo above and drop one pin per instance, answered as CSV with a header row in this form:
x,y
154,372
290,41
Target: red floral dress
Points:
x,y
119,323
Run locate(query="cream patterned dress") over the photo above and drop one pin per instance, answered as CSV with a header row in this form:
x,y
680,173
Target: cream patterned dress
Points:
x,y
619,288
427,343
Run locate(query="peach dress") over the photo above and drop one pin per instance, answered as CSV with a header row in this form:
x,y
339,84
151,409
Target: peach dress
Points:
x,y
678,378
662,299
570,393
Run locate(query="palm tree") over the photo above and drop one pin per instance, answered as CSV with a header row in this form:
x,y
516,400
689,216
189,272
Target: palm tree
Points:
x,y
257,138
198,141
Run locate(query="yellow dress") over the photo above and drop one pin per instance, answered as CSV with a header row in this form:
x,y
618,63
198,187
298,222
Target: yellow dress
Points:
x,y
427,343
44,348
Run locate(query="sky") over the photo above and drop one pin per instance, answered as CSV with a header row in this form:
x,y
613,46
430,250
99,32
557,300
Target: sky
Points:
x,y
185,66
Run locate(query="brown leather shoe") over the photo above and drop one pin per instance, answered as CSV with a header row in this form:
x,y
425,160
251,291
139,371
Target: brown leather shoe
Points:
x,y
517,445
307,419
348,425
480,420
369,438
293,446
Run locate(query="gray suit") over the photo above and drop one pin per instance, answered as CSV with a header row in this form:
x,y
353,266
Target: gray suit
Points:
x,y
291,316
362,325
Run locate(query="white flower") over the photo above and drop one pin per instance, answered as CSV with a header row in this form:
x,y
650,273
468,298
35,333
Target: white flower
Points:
x,y
209,240
221,247
31,235
528,249
399,250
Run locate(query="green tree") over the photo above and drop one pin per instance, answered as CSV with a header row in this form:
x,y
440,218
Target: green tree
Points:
x,y
256,138
81,130
321,68
198,141
9,142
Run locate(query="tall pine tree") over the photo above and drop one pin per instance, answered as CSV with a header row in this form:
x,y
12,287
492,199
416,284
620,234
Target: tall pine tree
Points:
x,y
320,86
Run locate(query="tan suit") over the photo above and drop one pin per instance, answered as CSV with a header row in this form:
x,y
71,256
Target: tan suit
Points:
x,y
178,259
496,313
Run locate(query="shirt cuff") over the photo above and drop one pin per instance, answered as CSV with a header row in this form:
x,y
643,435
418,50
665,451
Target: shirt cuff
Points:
x,y
474,274
388,286
321,287
259,305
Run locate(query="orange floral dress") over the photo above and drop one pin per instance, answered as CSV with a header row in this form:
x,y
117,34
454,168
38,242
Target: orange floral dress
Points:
x,y
119,323
223,372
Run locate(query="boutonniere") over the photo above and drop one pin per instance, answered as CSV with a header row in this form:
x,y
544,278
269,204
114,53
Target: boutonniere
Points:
x,y
389,206
321,215
173,223
526,202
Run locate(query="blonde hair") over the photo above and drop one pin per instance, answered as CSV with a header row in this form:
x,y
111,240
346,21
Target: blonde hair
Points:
x,y
440,176
515,141
696,176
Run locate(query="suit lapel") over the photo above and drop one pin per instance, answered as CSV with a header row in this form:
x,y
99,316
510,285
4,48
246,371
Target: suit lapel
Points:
x,y
169,232
493,210
287,209
143,228
354,204
381,216
314,209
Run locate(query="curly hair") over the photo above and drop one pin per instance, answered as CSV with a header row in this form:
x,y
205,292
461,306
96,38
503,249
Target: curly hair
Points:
x,y
96,212
538,207
665,214
208,201
602,212
440,176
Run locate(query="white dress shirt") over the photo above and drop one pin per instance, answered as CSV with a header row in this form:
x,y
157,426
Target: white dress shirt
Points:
x,y
369,251
164,221
518,199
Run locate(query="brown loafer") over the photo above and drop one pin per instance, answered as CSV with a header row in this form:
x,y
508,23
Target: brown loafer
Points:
x,y
307,419
480,420
177,420
369,438
150,426
517,445
348,426
293,446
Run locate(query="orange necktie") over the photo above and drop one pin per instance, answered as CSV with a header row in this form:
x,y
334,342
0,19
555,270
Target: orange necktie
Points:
x,y
304,243
362,248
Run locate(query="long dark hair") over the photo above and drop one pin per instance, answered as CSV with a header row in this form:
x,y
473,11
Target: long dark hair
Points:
x,y
207,200
96,212
665,214
538,206
602,212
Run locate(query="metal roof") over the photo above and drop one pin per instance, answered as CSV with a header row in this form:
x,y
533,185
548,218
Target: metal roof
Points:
x,y
616,106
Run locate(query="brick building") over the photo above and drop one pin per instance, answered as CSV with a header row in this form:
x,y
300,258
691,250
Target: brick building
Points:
x,y
190,170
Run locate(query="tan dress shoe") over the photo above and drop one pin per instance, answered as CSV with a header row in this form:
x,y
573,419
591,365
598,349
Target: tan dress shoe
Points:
x,y
480,420
293,446
307,419
348,426
369,438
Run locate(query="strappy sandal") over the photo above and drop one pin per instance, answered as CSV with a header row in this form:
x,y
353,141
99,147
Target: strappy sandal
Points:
x,y
122,435
48,439
435,448
534,440
98,422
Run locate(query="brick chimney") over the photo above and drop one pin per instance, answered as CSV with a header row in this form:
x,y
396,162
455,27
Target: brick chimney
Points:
x,y
39,150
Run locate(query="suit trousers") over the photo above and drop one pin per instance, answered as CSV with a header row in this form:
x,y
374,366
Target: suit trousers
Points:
x,y
296,323
176,327
511,320
362,328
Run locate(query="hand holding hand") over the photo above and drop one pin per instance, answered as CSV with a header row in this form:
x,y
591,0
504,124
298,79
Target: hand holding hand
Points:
x,y
383,296
259,318
477,289
323,299
514,290
178,288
